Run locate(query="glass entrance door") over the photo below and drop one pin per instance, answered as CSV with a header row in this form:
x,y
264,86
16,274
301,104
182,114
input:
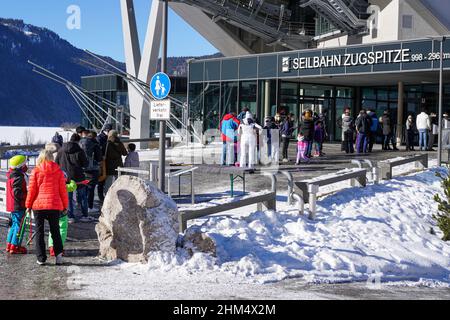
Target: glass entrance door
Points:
x,y
320,106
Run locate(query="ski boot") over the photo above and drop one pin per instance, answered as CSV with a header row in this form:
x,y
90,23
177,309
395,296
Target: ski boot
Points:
x,y
17,250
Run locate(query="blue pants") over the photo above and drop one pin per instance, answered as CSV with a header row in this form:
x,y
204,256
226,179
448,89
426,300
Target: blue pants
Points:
x,y
82,200
309,150
423,136
362,142
14,230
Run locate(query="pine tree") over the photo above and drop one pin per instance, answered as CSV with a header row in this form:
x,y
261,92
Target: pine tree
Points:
x,y
443,216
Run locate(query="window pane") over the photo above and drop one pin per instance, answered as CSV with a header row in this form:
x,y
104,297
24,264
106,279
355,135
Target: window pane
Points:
x,y
212,70
196,101
196,71
230,69
267,67
211,115
229,98
248,96
343,92
248,68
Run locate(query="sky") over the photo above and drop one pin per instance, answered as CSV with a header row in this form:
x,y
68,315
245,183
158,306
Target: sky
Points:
x,y
101,25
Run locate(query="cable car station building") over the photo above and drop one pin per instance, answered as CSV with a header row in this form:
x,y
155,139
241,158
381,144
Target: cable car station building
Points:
x,y
401,76
291,55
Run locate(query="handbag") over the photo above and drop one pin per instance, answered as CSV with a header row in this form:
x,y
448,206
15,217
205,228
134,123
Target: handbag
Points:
x,y
103,175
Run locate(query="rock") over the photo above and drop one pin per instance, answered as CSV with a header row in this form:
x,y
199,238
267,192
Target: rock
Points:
x,y
197,241
136,218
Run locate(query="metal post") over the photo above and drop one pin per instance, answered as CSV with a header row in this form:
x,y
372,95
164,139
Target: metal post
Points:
x,y
162,123
441,85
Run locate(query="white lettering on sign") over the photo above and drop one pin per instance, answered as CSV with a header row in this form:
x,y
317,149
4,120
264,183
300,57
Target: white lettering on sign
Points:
x,y
160,110
347,60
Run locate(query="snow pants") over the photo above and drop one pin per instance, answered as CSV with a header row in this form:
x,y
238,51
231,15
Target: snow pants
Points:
x,y
12,238
302,150
248,146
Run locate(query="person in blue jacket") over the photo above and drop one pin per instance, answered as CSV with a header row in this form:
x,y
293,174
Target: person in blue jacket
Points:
x,y
228,127
373,129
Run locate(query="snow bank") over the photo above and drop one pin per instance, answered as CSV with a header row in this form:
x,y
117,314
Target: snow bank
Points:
x,y
381,230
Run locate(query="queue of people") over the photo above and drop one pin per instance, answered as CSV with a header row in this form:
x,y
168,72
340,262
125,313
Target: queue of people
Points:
x,y
62,171
242,133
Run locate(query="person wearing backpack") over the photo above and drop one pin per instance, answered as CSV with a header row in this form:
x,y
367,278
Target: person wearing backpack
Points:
x,y
363,125
72,159
16,193
91,147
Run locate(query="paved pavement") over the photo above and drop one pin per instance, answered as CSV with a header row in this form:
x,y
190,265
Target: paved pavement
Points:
x,y
22,278
334,160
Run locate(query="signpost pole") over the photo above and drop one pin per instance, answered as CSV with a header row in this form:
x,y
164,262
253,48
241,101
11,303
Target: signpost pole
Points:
x,y
441,85
162,123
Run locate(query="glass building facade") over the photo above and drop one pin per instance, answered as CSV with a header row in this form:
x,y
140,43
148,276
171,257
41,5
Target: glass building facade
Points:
x,y
267,85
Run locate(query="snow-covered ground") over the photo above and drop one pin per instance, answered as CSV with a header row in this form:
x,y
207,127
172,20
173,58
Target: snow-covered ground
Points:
x,y
16,135
377,233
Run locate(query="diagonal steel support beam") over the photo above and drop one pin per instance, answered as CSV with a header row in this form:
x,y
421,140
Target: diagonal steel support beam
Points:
x,y
140,66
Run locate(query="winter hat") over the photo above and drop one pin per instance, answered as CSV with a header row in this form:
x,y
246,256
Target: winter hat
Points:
x,y
248,115
107,127
17,161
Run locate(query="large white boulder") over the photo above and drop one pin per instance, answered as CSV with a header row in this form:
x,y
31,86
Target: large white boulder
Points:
x,y
136,218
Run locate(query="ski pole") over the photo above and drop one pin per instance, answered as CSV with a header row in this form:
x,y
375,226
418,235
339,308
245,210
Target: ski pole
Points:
x,y
30,230
31,238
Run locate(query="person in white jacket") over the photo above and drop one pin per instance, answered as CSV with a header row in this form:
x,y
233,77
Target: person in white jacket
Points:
x,y
423,124
247,130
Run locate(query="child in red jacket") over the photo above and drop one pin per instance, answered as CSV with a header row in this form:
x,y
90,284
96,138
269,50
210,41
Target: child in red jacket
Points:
x,y
16,193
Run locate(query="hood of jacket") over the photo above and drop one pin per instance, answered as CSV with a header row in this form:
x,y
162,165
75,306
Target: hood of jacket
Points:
x,y
88,143
71,147
228,116
48,167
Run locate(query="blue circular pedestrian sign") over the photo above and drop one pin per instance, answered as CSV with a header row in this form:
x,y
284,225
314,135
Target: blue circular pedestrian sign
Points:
x,y
160,85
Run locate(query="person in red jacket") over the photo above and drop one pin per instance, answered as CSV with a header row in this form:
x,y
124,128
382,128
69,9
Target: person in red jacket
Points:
x,y
47,197
16,193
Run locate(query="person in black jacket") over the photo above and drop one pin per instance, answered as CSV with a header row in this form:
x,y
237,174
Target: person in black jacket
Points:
x,y
363,124
102,140
388,125
72,160
286,130
94,156
307,130
113,157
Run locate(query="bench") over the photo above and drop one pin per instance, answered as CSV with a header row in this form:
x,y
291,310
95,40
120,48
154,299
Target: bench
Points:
x,y
372,173
234,173
267,199
309,188
445,155
385,167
